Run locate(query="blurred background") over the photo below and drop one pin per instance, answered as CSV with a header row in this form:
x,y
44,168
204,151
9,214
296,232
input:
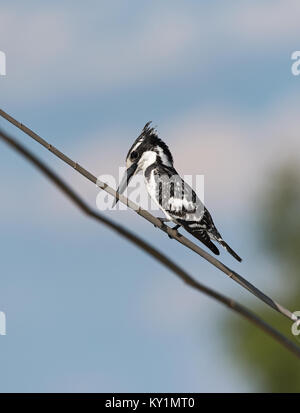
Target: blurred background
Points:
x,y
86,311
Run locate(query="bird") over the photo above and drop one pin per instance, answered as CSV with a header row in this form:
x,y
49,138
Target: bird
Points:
x,y
177,200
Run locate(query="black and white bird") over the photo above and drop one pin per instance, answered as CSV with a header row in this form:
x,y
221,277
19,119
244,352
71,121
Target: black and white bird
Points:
x,y
170,192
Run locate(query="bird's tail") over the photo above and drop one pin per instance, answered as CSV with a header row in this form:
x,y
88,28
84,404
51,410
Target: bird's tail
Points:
x,y
228,249
203,237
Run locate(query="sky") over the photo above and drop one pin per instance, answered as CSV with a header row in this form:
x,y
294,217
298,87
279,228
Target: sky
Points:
x,y
85,310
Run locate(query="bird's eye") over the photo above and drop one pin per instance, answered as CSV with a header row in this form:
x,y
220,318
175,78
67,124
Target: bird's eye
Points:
x,y
133,155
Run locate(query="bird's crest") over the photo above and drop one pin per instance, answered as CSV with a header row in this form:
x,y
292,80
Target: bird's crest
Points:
x,y
150,139
150,135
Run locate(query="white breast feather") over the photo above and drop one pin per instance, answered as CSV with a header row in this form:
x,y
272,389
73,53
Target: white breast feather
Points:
x,y
151,185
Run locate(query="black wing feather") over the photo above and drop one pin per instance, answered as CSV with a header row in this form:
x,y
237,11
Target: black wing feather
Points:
x,y
201,235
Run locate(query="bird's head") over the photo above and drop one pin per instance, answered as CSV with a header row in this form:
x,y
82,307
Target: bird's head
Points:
x,y
146,150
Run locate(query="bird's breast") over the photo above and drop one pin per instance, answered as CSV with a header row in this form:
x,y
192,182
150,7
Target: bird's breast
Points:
x,y
152,184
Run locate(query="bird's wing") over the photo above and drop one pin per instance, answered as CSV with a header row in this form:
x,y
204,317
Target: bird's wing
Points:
x,y
186,209
176,197
200,234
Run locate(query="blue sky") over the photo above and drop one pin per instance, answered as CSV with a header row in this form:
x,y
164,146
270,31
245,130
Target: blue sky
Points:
x,y
85,310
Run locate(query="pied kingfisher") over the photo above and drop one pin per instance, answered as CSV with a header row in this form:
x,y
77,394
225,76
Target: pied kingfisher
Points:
x,y
169,191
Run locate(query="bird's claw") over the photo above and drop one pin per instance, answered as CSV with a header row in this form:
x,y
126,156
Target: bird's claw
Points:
x,y
162,220
174,229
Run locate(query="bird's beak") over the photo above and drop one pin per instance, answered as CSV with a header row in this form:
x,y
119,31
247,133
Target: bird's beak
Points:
x,y
125,181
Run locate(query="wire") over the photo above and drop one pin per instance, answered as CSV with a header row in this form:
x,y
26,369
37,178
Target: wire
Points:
x,y
148,248
156,222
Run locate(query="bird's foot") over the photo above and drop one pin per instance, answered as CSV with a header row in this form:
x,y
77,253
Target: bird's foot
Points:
x,y
175,229
162,220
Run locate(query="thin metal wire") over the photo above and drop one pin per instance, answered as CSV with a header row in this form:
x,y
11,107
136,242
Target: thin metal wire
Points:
x,y
148,248
156,222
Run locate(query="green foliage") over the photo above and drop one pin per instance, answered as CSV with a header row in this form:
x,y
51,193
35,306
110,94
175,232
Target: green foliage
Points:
x,y
275,368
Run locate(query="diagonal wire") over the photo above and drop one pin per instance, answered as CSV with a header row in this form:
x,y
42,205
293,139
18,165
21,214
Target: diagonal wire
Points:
x,y
156,222
149,249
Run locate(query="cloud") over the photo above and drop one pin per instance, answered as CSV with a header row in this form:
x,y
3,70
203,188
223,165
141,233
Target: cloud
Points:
x,y
54,49
235,153
255,23
34,41
218,145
